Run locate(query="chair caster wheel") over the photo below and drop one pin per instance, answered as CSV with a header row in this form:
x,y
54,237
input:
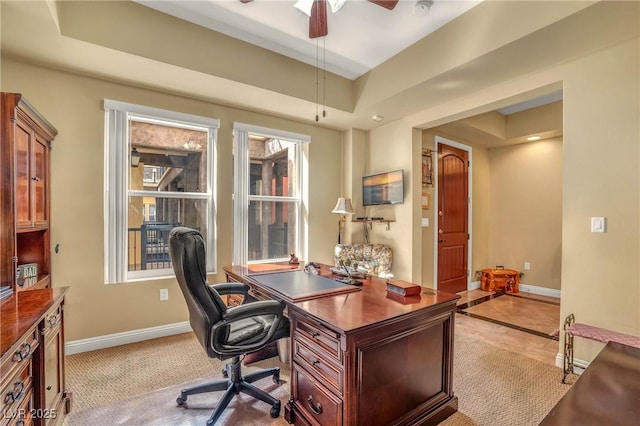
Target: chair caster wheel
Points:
x,y
181,401
275,411
276,378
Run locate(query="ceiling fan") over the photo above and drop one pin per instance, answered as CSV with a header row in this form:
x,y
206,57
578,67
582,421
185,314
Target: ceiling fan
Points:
x,y
317,12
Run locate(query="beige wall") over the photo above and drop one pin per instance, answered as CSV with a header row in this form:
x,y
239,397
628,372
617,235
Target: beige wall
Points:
x,y
525,210
392,147
74,105
600,177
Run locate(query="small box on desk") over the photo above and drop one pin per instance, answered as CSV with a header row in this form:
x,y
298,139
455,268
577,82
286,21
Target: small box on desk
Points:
x,y
403,288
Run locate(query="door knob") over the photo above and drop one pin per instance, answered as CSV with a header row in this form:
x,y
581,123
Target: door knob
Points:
x,y
439,212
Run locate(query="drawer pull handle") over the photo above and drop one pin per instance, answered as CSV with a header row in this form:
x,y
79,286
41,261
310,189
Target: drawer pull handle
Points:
x,y
35,178
314,335
23,353
15,394
316,362
53,320
316,408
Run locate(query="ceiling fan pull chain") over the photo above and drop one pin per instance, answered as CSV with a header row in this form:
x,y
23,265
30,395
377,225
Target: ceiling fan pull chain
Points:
x,y
324,77
317,81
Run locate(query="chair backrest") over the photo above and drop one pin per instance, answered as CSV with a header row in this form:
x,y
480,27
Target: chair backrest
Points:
x,y
206,307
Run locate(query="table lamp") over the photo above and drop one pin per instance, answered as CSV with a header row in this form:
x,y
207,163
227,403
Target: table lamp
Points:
x,y
343,207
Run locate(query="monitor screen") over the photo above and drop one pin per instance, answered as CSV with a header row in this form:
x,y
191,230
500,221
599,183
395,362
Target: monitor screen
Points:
x,y
383,188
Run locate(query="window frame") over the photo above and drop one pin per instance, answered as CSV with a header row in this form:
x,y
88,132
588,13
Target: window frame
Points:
x,y
117,188
241,189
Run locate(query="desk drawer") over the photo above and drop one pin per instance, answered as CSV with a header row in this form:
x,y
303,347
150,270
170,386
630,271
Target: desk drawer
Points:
x,y
322,339
52,321
23,353
16,391
318,365
316,403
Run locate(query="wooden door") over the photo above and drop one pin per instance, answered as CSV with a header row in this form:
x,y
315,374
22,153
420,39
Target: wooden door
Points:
x,y
453,212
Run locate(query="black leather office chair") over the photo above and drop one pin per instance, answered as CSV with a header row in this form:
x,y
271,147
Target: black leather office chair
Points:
x,y
224,332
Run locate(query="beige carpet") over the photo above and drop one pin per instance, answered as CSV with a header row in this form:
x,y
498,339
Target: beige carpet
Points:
x,y
494,386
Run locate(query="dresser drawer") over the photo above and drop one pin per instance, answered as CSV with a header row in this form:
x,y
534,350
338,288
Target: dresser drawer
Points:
x,y
23,415
12,361
16,390
318,365
322,339
315,402
52,321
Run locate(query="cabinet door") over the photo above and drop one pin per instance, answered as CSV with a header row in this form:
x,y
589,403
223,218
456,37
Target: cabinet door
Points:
x,y
53,371
40,182
23,138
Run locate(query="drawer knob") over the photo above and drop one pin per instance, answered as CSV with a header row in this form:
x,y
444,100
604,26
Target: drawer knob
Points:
x,y
315,407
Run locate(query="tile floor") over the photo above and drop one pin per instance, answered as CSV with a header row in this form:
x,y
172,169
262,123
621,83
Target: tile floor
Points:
x,y
522,323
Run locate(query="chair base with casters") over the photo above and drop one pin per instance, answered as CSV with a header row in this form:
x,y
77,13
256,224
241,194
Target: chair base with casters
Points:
x,y
233,385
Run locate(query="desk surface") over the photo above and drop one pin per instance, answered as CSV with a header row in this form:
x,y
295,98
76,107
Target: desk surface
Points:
x,y
366,307
607,393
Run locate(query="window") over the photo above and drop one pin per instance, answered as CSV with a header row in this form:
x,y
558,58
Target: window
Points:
x,y
268,194
159,175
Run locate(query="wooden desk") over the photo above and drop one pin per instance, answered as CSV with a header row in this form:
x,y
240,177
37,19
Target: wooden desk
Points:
x,y
607,393
361,358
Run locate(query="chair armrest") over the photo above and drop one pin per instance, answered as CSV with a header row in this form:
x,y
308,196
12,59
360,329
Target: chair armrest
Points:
x,y
230,288
254,309
263,307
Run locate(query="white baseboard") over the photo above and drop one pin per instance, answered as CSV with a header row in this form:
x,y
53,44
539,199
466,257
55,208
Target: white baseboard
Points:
x,y
525,288
117,339
543,291
579,365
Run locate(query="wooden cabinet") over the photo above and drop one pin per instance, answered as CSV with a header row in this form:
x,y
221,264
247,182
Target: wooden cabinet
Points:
x,y
32,382
25,185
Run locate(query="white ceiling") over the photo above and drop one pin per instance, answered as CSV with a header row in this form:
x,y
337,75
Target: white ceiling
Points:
x,y
362,35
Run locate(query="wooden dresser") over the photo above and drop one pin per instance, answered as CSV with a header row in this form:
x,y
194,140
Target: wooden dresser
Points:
x,y
32,381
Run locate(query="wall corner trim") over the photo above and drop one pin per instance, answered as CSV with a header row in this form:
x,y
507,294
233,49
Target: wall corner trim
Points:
x,y
117,339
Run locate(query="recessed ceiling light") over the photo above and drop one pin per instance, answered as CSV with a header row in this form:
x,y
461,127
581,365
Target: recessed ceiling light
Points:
x,y
376,117
533,138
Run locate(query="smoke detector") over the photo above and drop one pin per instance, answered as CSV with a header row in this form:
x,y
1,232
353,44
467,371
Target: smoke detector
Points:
x,y
422,7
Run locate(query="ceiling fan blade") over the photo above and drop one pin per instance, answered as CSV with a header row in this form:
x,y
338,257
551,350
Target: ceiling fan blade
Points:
x,y
387,4
318,19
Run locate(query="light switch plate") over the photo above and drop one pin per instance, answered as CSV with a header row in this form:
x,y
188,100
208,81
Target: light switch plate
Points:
x,y
425,222
598,224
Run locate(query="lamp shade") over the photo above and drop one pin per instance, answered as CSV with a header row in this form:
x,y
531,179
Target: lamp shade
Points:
x,y
343,206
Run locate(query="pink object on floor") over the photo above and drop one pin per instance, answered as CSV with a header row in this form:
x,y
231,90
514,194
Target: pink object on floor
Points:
x,y
603,335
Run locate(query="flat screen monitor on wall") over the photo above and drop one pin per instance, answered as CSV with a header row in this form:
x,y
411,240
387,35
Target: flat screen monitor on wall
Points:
x,y
383,188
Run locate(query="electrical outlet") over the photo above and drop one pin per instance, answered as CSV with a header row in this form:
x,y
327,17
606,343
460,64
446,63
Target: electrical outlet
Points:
x,y
164,294
527,266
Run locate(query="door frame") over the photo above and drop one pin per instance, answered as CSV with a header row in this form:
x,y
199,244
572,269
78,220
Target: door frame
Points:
x,y
440,140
